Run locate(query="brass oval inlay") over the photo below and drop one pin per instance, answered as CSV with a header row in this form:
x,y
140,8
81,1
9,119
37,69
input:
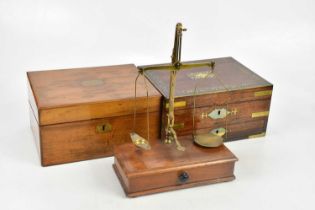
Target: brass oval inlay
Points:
x,y
200,75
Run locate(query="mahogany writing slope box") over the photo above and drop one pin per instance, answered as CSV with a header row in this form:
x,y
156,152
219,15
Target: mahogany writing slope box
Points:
x,y
79,114
231,101
164,168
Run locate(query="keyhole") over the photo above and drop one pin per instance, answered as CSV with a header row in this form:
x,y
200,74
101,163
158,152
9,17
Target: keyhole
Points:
x,y
219,112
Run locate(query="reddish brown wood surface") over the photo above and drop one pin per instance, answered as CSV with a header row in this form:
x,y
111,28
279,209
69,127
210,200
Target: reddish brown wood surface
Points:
x,y
240,112
222,98
69,142
70,95
156,170
232,86
236,131
68,105
35,130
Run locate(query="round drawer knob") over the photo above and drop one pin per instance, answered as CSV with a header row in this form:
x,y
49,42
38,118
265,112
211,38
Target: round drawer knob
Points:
x,y
183,177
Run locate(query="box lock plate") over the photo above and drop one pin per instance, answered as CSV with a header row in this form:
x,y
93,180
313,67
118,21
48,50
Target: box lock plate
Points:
x,y
104,128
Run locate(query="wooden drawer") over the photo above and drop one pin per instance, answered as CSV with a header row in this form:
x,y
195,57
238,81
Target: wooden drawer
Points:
x,y
187,175
164,168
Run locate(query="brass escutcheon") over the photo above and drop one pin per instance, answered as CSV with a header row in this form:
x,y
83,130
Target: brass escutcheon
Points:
x,y
218,131
104,128
218,113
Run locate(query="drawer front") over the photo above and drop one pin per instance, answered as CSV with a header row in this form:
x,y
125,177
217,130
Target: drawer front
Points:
x,y
187,175
70,142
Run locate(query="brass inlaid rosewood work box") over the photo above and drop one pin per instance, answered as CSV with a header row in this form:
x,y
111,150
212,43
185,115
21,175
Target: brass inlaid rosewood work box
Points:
x,y
80,114
231,101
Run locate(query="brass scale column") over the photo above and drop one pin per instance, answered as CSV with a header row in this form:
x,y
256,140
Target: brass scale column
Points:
x,y
175,66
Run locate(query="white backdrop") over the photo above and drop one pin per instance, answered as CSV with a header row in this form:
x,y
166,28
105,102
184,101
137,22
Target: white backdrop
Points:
x,y
273,38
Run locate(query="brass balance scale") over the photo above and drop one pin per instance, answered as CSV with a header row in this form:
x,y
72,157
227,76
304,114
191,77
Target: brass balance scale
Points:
x,y
204,140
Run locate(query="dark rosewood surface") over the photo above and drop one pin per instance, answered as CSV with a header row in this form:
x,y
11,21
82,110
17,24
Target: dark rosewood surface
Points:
x,y
232,86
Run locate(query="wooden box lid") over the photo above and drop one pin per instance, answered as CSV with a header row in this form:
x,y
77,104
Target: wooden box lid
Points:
x,y
229,75
69,95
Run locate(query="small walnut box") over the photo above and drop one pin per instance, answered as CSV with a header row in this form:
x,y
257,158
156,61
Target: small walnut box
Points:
x,y
232,101
79,114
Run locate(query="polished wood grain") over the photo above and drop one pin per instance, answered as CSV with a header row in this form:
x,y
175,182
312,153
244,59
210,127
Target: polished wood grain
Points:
x,y
97,110
68,105
69,142
222,98
242,113
70,95
235,131
157,170
36,131
232,86
229,75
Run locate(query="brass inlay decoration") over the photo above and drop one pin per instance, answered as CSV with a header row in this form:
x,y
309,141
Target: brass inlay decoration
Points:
x,y
104,128
260,114
263,93
177,104
200,75
92,82
257,135
179,126
218,131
